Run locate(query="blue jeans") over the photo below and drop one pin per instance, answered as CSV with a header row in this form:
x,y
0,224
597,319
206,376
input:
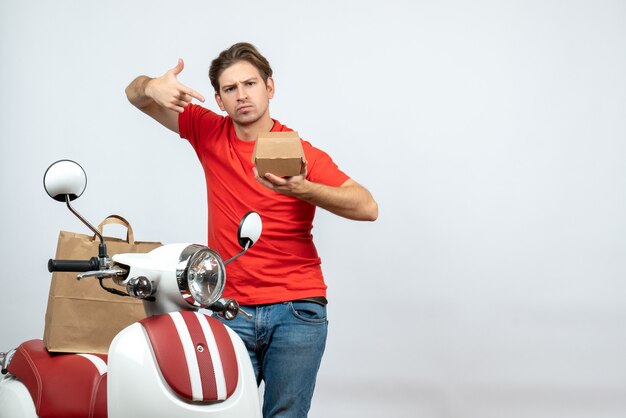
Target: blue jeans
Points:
x,y
286,342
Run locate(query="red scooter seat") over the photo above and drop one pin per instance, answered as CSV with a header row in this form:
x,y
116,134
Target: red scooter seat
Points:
x,y
62,385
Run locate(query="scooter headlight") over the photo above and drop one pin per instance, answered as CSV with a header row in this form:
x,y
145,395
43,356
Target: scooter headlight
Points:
x,y
201,276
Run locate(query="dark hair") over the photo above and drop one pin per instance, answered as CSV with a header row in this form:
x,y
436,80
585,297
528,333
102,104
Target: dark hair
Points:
x,y
241,51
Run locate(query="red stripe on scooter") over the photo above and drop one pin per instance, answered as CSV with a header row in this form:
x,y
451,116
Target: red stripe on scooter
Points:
x,y
205,363
227,354
168,350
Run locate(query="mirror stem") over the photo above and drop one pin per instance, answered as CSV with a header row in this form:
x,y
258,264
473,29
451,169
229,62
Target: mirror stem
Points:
x,y
238,255
102,248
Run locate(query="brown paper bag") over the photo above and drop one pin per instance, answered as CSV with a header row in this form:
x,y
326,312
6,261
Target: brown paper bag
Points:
x,y
81,316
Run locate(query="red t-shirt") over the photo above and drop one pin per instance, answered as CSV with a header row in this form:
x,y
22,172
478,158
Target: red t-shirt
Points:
x,y
283,265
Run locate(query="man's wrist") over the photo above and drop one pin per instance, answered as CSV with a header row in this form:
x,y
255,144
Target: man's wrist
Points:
x,y
306,190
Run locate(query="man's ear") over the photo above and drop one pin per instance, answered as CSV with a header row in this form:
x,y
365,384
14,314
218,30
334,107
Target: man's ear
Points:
x,y
269,85
218,99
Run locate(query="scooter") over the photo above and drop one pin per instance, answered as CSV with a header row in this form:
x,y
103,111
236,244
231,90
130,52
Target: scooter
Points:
x,y
177,362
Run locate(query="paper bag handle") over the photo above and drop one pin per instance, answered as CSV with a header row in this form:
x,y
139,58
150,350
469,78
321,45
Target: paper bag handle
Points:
x,y
117,219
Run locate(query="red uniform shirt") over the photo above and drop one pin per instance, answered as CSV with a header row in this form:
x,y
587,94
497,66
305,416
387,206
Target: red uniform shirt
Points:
x,y
283,265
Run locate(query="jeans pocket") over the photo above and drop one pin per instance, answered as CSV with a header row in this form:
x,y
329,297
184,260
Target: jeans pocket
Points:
x,y
309,312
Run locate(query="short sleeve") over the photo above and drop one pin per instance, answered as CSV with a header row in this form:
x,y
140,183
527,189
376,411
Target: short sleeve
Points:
x,y
321,168
197,124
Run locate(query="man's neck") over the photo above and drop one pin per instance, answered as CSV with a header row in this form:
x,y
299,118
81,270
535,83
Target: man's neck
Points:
x,y
251,132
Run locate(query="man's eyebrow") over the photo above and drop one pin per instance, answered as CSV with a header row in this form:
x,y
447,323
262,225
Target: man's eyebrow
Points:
x,y
253,78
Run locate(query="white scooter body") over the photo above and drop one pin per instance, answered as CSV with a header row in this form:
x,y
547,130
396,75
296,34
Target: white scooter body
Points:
x,y
135,384
136,388
15,401
132,363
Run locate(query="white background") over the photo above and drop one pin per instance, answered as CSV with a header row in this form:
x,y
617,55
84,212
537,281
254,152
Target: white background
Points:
x,y
491,133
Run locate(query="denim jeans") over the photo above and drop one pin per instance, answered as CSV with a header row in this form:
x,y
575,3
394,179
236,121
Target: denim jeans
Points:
x,y
285,342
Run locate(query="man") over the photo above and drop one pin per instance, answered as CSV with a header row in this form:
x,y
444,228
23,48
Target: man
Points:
x,y
280,280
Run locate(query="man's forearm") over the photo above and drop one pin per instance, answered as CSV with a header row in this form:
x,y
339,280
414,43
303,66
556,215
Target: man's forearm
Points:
x,y
136,92
351,200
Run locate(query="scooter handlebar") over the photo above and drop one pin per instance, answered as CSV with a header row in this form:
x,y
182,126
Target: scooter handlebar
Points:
x,y
73,265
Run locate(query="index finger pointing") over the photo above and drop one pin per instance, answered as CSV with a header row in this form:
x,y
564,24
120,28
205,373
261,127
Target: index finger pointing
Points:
x,y
195,94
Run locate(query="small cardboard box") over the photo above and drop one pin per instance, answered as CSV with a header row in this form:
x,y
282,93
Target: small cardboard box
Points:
x,y
279,153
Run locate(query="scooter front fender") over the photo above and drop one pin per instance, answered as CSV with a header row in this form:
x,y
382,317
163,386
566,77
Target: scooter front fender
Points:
x,y
136,386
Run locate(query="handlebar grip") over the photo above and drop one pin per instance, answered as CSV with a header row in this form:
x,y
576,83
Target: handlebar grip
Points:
x,y
73,265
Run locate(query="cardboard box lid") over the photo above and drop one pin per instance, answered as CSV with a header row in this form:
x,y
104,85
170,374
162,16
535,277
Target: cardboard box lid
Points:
x,y
279,153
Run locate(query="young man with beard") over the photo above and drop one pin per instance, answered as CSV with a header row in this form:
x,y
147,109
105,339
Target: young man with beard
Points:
x,y
280,280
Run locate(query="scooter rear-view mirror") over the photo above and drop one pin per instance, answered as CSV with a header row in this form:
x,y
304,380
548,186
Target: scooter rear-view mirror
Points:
x,y
250,229
65,178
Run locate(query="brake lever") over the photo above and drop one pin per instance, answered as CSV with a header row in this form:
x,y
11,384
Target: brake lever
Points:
x,y
102,274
